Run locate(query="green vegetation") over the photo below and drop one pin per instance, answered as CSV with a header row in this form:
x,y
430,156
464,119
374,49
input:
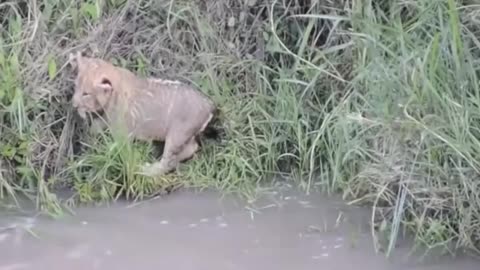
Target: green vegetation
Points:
x,y
378,100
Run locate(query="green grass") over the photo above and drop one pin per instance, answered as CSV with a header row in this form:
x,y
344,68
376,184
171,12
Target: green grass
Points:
x,y
378,101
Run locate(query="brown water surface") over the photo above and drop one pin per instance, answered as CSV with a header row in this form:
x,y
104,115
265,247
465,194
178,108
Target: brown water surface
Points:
x,y
188,230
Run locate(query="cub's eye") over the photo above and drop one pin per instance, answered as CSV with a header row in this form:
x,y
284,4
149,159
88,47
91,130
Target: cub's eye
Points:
x,y
85,94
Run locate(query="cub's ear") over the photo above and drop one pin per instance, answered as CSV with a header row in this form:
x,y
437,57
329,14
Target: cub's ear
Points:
x,y
105,84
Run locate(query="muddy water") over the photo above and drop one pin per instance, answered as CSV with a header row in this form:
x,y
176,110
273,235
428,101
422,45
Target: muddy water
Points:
x,y
188,230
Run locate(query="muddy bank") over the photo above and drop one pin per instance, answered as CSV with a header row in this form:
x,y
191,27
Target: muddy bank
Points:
x,y
188,230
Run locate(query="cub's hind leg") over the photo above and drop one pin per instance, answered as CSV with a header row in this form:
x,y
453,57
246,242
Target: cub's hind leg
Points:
x,y
177,148
188,150
172,159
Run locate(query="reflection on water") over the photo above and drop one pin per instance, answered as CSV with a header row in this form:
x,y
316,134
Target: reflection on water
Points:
x,y
187,230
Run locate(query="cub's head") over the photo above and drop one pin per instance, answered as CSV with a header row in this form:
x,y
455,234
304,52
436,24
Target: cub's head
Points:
x,y
93,84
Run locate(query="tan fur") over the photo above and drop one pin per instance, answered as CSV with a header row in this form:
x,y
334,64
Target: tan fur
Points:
x,y
149,108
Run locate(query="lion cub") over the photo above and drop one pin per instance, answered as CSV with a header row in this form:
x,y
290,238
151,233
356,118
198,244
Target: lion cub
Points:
x,y
149,109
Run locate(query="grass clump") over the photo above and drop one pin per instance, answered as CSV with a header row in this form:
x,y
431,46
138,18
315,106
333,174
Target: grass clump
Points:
x,y
109,168
377,100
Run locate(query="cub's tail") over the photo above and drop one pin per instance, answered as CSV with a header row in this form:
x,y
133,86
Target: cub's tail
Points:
x,y
215,129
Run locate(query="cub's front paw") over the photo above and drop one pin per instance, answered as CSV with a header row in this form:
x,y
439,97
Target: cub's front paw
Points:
x,y
152,170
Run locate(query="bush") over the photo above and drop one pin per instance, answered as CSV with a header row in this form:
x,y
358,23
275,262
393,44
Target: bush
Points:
x,y
377,100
